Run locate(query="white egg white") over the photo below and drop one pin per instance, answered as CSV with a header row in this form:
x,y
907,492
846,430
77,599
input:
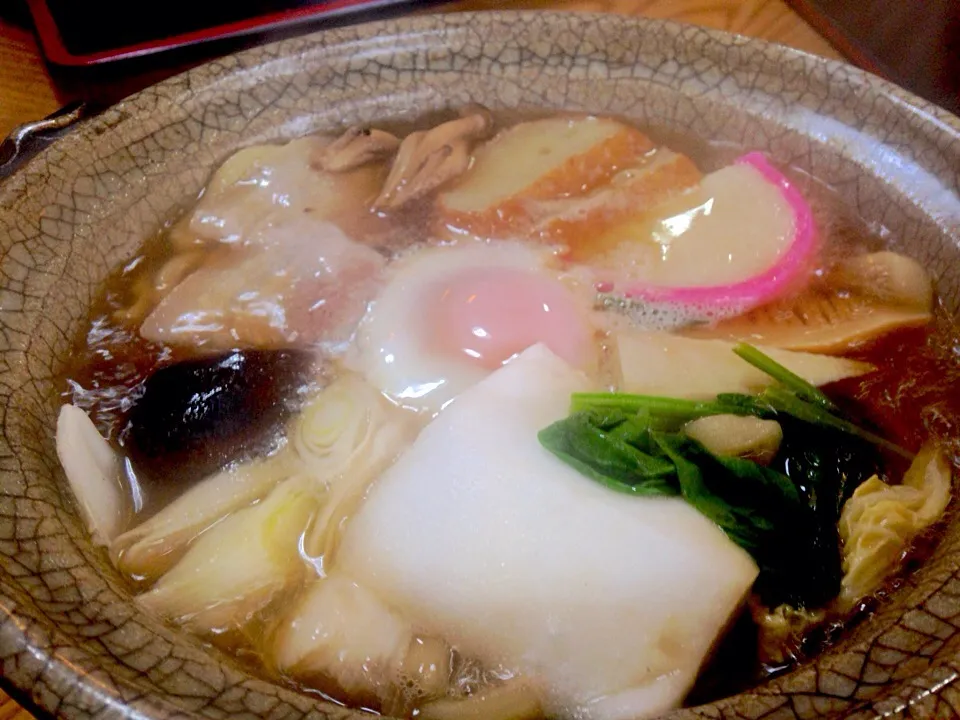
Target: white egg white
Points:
x,y
391,354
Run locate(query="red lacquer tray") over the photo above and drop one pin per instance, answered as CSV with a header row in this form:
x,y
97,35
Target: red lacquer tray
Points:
x,y
88,32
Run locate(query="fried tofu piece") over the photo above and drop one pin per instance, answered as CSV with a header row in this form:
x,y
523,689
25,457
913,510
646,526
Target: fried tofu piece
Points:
x,y
565,182
538,162
587,227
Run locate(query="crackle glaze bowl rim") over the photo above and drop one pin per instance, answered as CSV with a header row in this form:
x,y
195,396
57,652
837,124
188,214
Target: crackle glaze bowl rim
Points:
x,y
71,641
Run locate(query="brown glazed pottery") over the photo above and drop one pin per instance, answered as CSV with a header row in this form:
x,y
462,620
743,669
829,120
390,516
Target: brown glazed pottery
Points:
x,y
72,642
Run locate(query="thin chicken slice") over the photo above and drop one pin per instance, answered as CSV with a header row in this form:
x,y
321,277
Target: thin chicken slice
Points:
x,y
299,282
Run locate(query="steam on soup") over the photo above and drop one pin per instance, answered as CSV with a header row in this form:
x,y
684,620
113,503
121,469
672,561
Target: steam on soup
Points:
x,y
511,418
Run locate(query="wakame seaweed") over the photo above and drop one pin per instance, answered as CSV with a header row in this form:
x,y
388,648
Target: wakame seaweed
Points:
x,y
826,466
785,514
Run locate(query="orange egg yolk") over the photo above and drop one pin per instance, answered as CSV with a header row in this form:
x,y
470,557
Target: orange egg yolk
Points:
x,y
487,315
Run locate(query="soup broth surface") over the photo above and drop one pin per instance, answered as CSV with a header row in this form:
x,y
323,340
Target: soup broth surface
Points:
x,y
910,398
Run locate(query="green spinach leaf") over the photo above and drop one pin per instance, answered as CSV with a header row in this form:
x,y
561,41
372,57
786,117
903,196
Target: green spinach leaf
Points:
x,y
743,498
608,447
787,378
785,515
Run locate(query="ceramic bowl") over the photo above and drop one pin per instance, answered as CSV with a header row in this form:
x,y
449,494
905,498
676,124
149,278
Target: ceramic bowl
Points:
x,y
73,643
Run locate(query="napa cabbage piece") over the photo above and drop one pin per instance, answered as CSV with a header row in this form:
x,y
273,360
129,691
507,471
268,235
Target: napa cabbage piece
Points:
x,y
781,631
344,439
880,520
479,535
94,472
343,639
345,635
238,566
152,547
517,699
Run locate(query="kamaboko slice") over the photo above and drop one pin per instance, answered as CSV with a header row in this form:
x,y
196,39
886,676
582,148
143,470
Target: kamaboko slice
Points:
x,y
742,238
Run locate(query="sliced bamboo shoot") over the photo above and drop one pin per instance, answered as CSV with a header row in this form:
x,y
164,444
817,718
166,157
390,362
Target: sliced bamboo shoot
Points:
x,y
659,363
818,320
888,277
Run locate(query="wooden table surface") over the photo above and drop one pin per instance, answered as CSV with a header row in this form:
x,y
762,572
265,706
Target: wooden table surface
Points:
x,y
28,93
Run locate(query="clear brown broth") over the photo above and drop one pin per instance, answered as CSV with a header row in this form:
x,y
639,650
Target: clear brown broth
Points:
x,y
912,397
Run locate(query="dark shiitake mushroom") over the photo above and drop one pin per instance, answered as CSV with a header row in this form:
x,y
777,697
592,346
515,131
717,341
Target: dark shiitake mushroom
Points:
x,y
196,416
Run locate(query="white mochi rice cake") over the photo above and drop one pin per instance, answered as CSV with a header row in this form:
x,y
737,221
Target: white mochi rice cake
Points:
x,y
608,602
